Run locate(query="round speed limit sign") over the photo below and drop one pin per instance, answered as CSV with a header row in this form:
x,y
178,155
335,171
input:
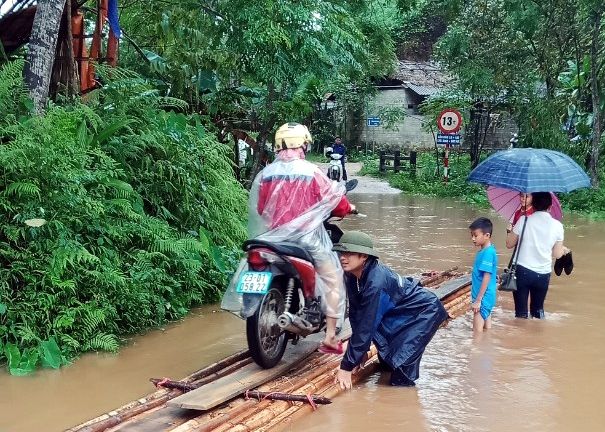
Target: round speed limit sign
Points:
x,y
449,121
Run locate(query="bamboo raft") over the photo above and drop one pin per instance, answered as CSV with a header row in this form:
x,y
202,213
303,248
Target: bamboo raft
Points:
x,y
304,386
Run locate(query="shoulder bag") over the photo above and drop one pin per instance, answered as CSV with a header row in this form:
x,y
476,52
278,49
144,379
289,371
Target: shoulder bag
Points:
x,y
508,278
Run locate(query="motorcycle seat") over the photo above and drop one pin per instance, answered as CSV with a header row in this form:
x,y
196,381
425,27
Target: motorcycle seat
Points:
x,y
288,249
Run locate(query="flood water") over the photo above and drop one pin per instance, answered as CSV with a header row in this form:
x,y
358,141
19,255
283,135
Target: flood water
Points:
x,y
522,375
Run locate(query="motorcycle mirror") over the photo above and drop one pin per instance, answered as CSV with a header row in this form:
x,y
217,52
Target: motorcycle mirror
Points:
x,y
351,184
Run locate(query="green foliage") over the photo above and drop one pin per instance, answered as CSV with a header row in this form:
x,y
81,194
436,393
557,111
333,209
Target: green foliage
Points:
x,y
590,202
142,219
429,182
255,65
428,179
534,60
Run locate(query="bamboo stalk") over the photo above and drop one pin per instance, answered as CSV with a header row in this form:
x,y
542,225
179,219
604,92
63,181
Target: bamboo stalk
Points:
x,y
429,280
315,375
135,408
288,397
114,420
456,294
258,407
170,384
288,417
457,301
188,386
216,367
123,410
262,417
459,311
276,409
225,420
456,309
207,422
463,306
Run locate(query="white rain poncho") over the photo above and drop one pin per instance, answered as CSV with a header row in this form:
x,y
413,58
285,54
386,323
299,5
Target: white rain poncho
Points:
x,y
289,200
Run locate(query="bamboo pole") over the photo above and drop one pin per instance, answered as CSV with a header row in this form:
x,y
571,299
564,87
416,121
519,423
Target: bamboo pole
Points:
x,y
317,366
456,294
131,409
457,300
461,299
116,419
207,423
319,386
459,311
217,366
288,397
461,306
288,417
262,417
188,386
431,279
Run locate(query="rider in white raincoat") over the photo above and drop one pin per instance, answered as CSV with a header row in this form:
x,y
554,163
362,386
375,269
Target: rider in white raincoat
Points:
x,y
289,200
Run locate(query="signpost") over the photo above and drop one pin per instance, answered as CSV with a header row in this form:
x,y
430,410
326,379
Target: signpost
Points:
x,y
373,121
449,123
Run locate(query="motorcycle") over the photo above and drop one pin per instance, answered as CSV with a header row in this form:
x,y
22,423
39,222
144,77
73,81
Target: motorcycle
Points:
x,y
335,165
277,295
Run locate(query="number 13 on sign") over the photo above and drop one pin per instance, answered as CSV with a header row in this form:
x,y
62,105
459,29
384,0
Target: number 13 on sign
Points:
x,y
449,121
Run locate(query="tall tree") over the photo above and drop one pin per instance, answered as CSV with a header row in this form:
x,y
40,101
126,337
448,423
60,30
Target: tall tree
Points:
x,y
42,47
597,10
246,63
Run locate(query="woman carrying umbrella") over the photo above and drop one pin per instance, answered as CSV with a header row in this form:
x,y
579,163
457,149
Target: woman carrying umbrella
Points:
x,y
539,237
542,240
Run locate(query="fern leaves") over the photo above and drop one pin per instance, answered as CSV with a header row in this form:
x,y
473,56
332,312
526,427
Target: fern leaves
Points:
x,y
22,189
124,187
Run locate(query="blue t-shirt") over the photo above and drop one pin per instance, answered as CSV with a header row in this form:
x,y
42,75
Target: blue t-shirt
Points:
x,y
486,261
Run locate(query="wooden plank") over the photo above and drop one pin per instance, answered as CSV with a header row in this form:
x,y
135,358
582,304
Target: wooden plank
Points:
x,y
451,286
248,377
164,418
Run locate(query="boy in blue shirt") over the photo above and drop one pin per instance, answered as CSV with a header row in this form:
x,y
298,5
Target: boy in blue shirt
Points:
x,y
483,288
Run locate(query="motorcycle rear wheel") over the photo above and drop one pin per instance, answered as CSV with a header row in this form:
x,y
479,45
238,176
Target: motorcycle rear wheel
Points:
x,y
266,340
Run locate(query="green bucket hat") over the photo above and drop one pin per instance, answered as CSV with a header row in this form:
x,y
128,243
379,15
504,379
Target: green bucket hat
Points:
x,y
355,241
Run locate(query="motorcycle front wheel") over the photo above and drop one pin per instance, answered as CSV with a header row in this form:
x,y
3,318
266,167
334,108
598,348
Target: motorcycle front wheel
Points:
x,y
266,340
334,174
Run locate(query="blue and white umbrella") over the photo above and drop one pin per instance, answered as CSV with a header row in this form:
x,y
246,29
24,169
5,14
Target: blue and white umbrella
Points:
x,y
531,170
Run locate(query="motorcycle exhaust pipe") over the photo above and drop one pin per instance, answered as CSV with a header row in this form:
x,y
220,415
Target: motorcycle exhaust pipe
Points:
x,y
295,324
284,321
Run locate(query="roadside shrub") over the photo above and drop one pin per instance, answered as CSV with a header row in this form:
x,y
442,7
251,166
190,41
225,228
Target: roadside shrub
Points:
x,y
115,216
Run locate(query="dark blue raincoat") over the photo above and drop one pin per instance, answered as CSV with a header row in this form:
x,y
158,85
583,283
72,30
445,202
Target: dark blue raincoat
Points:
x,y
395,313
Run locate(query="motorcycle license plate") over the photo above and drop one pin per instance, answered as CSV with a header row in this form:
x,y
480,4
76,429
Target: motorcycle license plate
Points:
x,y
254,282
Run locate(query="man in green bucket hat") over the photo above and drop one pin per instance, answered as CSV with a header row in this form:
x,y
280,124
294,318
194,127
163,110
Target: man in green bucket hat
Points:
x,y
392,311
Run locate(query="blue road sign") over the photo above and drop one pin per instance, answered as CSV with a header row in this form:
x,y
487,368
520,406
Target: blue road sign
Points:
x,y
373,121
451,139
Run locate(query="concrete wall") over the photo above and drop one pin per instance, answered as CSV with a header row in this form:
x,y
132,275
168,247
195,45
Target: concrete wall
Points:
x,y
409,133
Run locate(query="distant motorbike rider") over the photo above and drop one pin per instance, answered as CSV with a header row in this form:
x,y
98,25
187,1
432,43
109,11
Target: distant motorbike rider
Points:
x,y
340,148
289,200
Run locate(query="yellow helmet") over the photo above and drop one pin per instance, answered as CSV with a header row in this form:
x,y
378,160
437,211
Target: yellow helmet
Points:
x,y
291,136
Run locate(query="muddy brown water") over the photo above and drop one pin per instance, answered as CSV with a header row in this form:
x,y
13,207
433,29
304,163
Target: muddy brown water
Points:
x,y
523,375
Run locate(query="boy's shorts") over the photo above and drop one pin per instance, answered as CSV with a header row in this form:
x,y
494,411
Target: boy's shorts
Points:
x,y
485,310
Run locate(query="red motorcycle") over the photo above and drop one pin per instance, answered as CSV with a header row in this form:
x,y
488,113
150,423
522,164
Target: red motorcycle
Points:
x,y
278,295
